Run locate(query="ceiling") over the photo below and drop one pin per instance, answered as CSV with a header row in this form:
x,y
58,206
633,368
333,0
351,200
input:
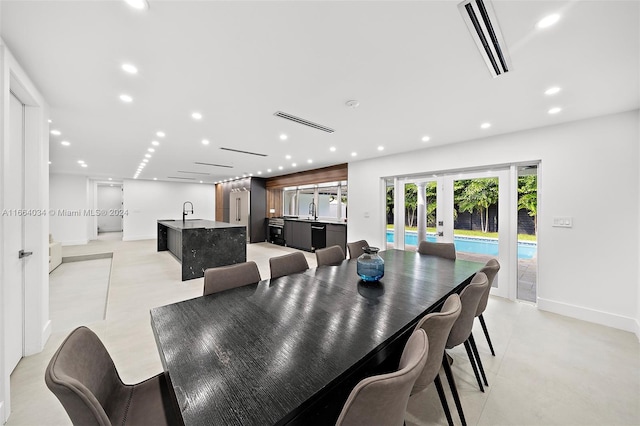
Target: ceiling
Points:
x,y
412,66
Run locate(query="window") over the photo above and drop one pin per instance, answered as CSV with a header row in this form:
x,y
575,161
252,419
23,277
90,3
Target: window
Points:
x,y
327,200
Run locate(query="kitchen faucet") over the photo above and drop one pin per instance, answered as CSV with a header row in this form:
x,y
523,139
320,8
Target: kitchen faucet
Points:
x,y
312,210
185,212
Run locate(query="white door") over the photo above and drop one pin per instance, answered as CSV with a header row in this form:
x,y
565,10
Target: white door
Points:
x,y
14,238
239,209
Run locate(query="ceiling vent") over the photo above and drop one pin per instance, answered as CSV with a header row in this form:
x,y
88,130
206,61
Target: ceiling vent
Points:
x,y
214,165
485,31
303,121
243,152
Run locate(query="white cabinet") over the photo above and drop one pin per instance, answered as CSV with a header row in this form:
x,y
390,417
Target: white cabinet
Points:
x,y
239,209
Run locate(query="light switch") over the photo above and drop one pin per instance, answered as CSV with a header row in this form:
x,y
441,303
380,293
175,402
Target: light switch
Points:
x,y
563,222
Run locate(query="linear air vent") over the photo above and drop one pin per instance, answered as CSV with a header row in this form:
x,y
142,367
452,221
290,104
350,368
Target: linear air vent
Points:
x,y
485,31
178,177
244,152
214,165
193,173
303,121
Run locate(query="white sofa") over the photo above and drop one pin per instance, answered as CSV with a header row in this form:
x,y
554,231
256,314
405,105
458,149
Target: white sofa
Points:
x,y
55,254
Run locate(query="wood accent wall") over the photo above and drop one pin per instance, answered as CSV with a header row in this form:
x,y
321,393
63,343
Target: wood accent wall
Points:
x,y
275,184
219,204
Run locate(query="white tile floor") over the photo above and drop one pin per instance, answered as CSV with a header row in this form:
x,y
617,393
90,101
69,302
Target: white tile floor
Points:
x,y
548,370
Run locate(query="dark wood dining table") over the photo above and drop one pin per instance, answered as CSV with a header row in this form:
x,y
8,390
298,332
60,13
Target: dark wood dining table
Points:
x,y
289,350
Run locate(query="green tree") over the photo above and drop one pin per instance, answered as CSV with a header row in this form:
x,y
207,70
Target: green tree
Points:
x,y
477,195
431,203
528,197
411,202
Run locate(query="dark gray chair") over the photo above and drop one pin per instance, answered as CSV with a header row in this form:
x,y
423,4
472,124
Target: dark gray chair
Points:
x,y
232,276
491,270
83,377
329,256
383,399
461,333
437,325
446,250
356,248
291,263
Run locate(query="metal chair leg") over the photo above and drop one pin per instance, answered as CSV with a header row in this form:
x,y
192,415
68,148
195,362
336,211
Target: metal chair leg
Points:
x,y
454,390
472,360
443,400
486,333
478,360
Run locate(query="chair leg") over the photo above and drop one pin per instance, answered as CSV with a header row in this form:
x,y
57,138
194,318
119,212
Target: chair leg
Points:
x,y
454,390
478,360
472,360
443,400
486,334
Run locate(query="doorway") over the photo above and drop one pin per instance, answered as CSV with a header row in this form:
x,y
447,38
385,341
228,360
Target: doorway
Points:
x,y
109,202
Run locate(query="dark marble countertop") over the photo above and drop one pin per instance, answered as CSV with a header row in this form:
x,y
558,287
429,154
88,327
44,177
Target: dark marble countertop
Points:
x,y
197,224
330,222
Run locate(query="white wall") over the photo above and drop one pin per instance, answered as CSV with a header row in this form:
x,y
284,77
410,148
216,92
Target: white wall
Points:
x,y
146,202
588,170
69,222
109,199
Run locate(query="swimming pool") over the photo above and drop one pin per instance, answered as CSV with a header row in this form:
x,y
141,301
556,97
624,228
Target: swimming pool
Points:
x,y
489,246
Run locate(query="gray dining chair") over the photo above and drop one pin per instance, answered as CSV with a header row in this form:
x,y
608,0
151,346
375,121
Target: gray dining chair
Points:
x,y
461,333
445,250
291,263
329,256
383,399
356,248
437,325
82,375
232,276
491,270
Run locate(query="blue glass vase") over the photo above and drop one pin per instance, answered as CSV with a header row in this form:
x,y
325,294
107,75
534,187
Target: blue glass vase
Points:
x,y
370,265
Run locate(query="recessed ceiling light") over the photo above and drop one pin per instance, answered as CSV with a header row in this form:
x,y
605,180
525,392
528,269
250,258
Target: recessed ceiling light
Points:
x,y
49,120
147,155
196,116
205,142
237,177
110,179
283,137
309,161
126,98
332,149
294,165
155,178
268,170
554,110
485,125
244,175
425,139
353,154
280,167
65,143
49,162
56,132
259,172
145,160
138,4
288,157
151,150
381,148
83,165
131,69
155,143
80,161
551,91
160,134
111,185
200,181
548,21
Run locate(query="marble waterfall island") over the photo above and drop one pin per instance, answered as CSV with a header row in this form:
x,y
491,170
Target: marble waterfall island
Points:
x,y
201,244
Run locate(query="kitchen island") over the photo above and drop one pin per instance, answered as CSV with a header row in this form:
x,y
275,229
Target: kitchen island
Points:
x,y
200,244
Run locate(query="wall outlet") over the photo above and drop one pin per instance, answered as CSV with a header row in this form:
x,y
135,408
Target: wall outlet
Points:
x,y
563,222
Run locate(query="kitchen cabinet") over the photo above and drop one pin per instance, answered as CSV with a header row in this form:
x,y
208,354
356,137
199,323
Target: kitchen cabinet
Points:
x,y
298,234
337,236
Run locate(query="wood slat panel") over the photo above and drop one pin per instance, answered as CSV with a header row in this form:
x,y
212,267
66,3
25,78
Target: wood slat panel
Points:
x,y
274,201
219,203
326,174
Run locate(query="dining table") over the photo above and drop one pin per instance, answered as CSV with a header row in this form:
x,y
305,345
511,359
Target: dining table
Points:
x,y
289,350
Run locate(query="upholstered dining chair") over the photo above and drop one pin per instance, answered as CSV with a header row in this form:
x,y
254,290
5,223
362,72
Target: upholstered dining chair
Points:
x,y
383,399
461,333
329,256
83,377
446,250
437,325
491,270
291,263
232,276
356,248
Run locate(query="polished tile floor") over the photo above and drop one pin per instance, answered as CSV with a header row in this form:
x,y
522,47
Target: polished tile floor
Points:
x,y
549,369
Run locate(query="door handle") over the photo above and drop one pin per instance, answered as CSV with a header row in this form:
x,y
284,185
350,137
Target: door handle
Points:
x,y
23,253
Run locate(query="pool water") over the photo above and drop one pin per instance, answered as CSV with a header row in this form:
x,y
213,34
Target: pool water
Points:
x,y
488,246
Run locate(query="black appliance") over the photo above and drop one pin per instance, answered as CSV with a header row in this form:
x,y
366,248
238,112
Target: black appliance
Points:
x,y
318,236
276,231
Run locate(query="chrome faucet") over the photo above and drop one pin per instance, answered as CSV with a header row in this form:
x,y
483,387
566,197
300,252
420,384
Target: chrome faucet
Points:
x,y
185,212
312,210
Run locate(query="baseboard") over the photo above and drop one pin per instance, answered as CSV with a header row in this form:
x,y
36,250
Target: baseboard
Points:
x,y
74,242
139,237
82,257
591,315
